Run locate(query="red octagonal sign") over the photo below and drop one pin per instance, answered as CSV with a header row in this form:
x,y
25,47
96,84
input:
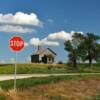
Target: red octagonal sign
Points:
x,y
16,43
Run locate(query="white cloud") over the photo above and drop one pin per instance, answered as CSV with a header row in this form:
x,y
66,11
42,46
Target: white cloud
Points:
x,y
19,22
37,41
60,35
45,41
34,41
51,43
20,18
17,29
52,39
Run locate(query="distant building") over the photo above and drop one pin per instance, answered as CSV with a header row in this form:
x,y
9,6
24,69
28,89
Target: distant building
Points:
x,y
43,55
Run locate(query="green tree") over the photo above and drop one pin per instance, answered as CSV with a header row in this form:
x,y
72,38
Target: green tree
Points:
x,y
90,48
72,46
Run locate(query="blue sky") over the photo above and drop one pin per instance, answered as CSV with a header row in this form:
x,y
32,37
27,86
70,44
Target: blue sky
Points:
x,y
56,16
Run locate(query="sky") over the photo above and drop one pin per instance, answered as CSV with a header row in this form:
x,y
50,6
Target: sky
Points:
x,y
45,22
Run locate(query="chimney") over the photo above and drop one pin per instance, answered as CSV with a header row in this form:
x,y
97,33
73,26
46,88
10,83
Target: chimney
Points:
x,y
39,47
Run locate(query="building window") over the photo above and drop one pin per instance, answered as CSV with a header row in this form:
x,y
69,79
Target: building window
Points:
x,y
49,59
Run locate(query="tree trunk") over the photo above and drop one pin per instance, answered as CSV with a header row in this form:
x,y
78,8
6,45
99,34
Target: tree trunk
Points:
x,y
90,58
90,62
74,63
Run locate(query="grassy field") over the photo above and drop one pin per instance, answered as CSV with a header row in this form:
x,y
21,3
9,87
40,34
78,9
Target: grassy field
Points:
x,y
31,68
45,68
53,88
25,83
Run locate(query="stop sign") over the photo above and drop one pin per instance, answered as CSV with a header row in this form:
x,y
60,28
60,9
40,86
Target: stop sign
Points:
x,y
16,43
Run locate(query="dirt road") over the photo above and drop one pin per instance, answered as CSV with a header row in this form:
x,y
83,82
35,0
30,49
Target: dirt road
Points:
x,y
21,76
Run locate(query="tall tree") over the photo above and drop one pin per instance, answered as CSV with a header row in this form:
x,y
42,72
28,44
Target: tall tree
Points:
x,y
72,46
90,48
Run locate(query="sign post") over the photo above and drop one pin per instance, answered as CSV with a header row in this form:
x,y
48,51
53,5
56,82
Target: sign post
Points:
x,y
15,70
16,44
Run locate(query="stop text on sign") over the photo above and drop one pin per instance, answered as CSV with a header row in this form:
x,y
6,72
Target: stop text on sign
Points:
x,y
16,43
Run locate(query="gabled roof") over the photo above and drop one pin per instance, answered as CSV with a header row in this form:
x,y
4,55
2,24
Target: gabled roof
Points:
x,y
42,50
52,51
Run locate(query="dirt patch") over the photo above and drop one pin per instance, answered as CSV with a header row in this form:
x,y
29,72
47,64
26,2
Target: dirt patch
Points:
x,y
64,90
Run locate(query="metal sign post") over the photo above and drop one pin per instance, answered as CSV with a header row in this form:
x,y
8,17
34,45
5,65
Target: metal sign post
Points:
x,y
16,43
15,71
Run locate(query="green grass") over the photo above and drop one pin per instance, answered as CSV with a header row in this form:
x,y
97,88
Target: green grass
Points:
x,y
45,68
30,82
31,68
25,83
97,97
2,97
